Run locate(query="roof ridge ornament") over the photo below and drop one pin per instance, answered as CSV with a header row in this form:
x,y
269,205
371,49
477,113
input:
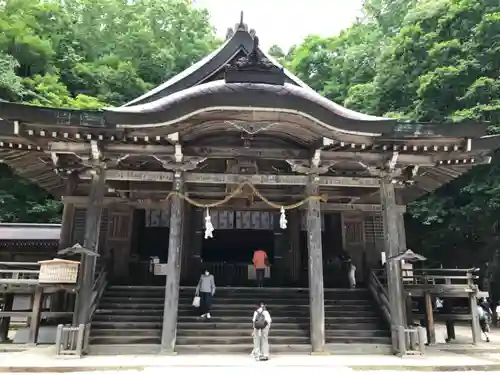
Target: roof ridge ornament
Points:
x,y
254,68
241,26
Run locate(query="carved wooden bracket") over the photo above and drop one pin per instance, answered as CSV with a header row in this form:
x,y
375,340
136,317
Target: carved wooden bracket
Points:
x,y
187,163
300,167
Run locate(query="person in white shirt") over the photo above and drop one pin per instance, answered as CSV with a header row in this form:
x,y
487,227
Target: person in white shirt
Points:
x,y
497,311
261,325
352,275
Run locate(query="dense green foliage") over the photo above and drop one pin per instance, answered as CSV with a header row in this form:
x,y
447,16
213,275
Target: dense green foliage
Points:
x,y
425,60
89,54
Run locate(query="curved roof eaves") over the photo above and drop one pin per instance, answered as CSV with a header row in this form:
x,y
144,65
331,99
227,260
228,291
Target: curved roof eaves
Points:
x,y
219,95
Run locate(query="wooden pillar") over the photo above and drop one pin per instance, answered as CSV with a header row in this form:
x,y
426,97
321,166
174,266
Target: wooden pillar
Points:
x,y
5,321
90,241
67,215
294,227
429,319
34,327
393,266
66,225
476,329
169,330
316,290
187,238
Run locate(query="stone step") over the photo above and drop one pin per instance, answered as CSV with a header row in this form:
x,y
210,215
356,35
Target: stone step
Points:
x,y
236,289
279,319
117,340
240,349
103,332
229,312
275,301
202,325
217,304
150,349
229,319
276,332
123,325
357,339
238,340
358,348
248,298
124,349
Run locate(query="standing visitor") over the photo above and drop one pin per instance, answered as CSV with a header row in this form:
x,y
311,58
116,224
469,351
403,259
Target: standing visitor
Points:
x,y
483,321
260,262
497,311
352,275
261,325
206,290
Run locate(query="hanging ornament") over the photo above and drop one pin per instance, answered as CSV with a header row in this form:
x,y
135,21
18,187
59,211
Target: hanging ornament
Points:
x,y
283,220
209,228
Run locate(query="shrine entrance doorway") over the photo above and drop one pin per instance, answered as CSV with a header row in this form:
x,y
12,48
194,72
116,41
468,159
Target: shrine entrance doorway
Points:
x,y
228,255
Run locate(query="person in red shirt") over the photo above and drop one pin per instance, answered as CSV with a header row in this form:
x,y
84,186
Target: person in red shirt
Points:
x,y
260,262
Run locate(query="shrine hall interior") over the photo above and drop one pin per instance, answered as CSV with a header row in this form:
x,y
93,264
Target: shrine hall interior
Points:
x,y
238,233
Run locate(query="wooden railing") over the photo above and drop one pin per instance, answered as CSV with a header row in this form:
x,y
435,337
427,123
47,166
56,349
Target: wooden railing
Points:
x,y
19,273
74,341
228,273
100,284
379,293
436,276
405,340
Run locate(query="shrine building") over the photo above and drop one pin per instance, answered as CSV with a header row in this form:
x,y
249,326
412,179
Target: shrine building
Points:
x,y
238,143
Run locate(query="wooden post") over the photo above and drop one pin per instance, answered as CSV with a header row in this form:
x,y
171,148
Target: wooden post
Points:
x,y
35,316
315,269
169,330
429,320
5,321
476,329
66,225
68,214
393,266
91,242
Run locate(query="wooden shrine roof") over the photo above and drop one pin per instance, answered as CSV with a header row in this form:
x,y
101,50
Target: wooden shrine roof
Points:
x,y
237,103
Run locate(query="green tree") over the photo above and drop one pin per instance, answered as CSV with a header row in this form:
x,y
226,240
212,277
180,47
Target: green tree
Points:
x,y
89,54
425,60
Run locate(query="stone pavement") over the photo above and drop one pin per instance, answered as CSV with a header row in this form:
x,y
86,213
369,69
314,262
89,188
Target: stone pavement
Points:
x,y
461,356
41,360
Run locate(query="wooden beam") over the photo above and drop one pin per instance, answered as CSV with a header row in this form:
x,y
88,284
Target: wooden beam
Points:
x,y
247,152
171,307
81,201
315,269
223,178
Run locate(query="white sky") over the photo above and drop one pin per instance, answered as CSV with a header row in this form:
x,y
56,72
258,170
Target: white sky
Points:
x,y
283,22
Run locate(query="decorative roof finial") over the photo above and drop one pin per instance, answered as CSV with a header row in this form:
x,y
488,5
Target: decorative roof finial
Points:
x,y
242,26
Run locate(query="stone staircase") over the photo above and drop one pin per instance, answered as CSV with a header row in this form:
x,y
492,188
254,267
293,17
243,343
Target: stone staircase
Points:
x,y
353,324
129,320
